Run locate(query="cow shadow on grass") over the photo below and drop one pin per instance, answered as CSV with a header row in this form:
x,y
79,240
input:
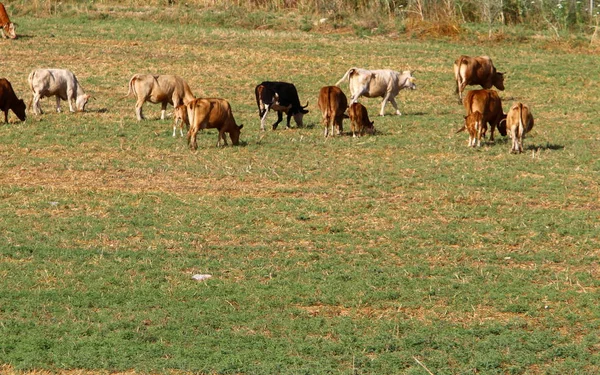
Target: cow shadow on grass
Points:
x,y
99,110
547,146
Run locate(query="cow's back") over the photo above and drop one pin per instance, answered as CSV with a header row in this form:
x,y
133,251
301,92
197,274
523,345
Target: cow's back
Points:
x,y
4,20
7,94
332,101
287,93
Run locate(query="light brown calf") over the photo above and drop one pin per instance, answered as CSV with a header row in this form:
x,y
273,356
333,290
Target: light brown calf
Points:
x,y
359,120
475,127
519,121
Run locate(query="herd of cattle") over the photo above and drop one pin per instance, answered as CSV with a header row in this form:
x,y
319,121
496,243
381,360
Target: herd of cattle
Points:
x,y
483,107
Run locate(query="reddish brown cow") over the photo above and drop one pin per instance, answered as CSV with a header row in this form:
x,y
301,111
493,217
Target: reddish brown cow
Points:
x,y
473,125
476,71
333,103
359,120
210,113
9,100
489,104
519,121
7,28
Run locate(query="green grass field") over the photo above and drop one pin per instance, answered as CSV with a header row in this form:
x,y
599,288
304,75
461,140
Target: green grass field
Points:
x,y
337,256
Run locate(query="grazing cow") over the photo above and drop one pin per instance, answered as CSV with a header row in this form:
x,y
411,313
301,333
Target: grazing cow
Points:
x,y
474,126
359,120
9,100
7,28
378,83
163,89
209,113
519,121
476,71
333,103
56,82
489,104
280,97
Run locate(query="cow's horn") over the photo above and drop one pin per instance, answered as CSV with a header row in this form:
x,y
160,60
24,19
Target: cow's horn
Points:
x,y
305,105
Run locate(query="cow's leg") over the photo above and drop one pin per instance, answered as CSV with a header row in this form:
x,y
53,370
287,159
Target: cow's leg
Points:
x,y
6,116
287,124
138,110
163,110
191,136
58,104
492,128
383,103
393,101
264,118
175,128
35,104
279,119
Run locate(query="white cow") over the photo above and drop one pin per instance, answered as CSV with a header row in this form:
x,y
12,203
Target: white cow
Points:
x,y
383,83
56,82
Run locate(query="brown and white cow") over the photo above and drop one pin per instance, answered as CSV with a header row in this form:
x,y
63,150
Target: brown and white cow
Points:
x,y
474,126
9,100
383,83
359,120
211,113
333,103
519,121
163,89
60,83
476,71
7,28
489,104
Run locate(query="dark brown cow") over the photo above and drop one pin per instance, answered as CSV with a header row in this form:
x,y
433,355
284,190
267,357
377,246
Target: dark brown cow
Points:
x,y
489,104
519,121
7,28
359,120
211,113
9,100
476,71
474,126
333,103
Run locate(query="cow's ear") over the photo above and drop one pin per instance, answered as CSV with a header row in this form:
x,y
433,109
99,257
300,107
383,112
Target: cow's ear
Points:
x,y
501,73
240,126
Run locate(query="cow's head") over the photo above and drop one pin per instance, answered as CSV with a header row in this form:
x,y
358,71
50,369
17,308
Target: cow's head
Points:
x,y
235,134
409,82
370,127
82,101
9,29
19,109
299,115
502,125
498,81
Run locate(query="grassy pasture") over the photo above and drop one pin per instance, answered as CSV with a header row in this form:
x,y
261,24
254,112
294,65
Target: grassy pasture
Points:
x,y
343,256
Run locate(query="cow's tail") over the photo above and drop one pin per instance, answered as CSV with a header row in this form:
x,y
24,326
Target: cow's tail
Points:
x,y
131,87
30,81
461,129
521,120
345,77
457,77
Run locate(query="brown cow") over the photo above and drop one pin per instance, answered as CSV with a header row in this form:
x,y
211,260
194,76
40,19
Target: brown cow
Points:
x,y
163,89
476,71
333,103
7,28
359,120
8,100
489,104
519,121
474,126
209,113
